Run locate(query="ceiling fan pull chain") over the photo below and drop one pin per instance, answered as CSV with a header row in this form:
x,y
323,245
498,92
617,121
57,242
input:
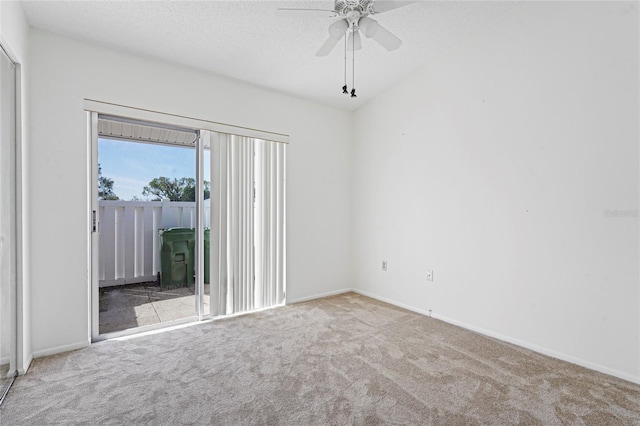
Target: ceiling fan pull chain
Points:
x,y
344,88
353,62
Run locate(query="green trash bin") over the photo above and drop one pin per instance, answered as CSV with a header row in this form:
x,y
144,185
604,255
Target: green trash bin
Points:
x,y
176,257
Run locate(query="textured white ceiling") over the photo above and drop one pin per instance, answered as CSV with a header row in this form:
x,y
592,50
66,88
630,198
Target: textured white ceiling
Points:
x,y
247,41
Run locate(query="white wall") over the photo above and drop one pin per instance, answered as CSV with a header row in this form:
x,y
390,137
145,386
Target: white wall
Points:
x,y
494,167
14,36
66,71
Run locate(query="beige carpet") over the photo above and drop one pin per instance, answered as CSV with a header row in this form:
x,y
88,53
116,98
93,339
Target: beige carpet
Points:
x,y
340,360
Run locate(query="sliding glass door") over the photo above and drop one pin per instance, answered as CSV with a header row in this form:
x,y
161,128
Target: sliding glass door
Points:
x,y
188,224
8,235
147,210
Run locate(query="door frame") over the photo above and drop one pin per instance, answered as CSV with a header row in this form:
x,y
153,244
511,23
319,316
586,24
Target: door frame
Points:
x,y
94,235
93,226
207,131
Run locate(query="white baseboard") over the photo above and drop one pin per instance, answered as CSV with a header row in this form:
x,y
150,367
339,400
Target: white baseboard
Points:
x,y
61,349
544,351
319,296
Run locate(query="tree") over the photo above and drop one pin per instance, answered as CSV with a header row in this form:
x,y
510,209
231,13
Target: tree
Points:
x,y
105,187
183,189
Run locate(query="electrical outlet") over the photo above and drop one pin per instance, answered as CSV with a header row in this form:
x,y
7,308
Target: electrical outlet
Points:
x,y
429,274
384,265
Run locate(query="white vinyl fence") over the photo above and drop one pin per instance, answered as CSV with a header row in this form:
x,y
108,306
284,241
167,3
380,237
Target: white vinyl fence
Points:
x,y
129,240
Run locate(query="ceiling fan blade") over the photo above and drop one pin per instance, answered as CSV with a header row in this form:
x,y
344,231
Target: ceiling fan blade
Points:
x,y
327,47
354,42
380,6
305,12
386,39
372,29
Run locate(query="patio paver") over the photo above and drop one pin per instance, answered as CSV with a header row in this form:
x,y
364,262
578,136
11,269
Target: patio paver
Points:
x,y
135,305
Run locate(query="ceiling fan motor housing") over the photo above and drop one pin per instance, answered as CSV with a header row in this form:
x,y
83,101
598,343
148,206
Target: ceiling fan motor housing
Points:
x,y
342,7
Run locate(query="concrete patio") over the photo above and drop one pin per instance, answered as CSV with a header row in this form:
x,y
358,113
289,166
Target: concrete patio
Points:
x,y
134,305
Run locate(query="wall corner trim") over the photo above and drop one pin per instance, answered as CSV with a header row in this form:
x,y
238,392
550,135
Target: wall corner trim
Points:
x,y
25,367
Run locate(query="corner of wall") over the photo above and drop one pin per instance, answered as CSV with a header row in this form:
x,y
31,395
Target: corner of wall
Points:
x,y
479,183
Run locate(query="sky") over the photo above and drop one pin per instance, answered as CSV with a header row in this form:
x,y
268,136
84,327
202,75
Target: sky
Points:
x,y
132,165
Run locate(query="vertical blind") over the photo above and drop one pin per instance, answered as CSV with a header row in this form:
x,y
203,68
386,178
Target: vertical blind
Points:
x,y
248,217
269,223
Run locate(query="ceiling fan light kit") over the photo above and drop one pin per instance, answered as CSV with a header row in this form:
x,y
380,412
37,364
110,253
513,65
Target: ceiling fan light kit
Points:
x,y
355,42
368,26
353,19
338,28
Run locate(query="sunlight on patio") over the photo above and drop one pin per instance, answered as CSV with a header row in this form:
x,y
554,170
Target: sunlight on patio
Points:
x,y
136,305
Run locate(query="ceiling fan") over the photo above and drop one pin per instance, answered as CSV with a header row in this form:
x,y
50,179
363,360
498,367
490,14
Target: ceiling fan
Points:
x,y
354,19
